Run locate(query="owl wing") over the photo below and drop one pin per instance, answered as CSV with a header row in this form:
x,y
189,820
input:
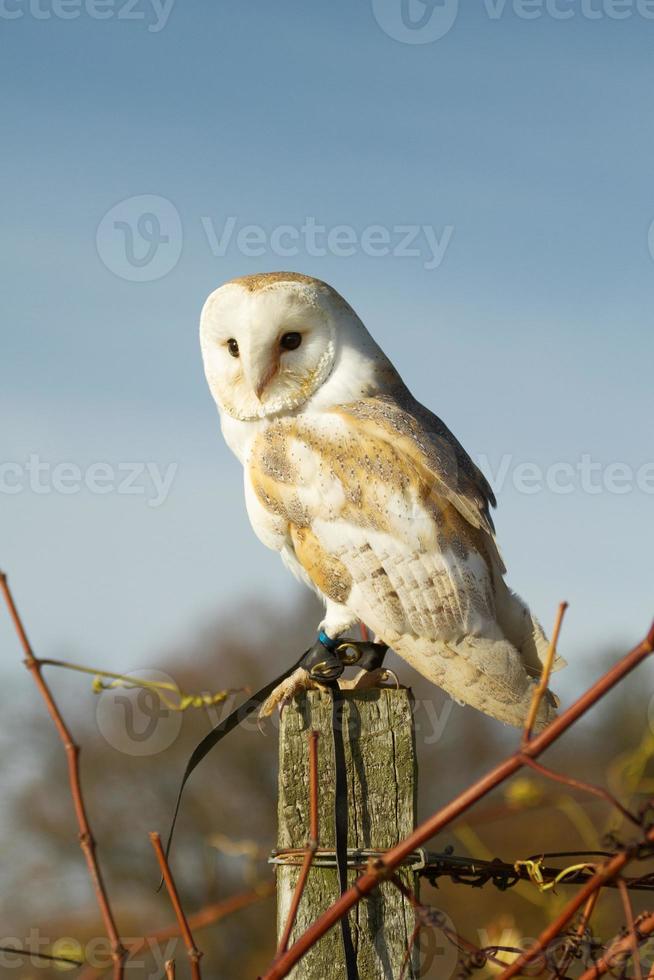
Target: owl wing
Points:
x,y
386,515
380,465
433,450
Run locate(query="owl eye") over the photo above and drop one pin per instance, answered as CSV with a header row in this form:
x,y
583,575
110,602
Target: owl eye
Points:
x,y
232,347
291,341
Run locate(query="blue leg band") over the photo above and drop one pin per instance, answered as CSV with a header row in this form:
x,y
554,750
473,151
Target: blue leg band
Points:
x,y
327,641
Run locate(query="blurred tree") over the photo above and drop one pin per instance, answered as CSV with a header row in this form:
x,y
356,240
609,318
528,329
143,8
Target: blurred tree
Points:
x,y
133,755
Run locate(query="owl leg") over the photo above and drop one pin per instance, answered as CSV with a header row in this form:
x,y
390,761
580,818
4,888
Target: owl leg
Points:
x,y
338,619
325,661
319,664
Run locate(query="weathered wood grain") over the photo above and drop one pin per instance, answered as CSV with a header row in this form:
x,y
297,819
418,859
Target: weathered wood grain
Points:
x,y
381,767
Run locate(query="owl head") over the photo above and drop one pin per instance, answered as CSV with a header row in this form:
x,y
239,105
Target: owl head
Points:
x,y
270,342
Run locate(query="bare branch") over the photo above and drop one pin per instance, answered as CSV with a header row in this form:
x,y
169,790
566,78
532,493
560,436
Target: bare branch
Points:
x,y
194,953
312,846
607,872
629,919
429,828
87,842
621,948
199,920
541,687
573,783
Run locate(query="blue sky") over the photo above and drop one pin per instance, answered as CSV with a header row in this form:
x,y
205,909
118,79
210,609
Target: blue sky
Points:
x,y
524,145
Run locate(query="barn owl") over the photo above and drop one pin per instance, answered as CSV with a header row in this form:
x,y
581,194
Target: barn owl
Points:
x,y
368,497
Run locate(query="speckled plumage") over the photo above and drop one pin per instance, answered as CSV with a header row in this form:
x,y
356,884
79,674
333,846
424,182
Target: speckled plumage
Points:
x,y
367,496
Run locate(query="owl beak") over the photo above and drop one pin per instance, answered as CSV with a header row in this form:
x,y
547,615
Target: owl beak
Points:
x,y
261,381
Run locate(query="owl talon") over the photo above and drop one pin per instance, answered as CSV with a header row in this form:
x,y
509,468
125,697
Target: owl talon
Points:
x,y
368,679
284,693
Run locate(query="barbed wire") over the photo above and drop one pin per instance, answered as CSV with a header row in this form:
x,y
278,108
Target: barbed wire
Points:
x,y
592,879
567,938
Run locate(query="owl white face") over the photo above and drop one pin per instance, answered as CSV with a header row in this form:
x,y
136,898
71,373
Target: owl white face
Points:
x,y
267,344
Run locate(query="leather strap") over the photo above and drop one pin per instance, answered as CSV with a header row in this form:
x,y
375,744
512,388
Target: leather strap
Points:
x,y
325,663
340,826
218,733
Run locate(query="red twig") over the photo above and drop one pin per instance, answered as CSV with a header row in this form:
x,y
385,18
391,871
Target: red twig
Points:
x,y
574,941
194,953
606,872
199,920
433,917
87,842
429,828
629,919
312,846
599,791
620,948
413,938
541,687
208,915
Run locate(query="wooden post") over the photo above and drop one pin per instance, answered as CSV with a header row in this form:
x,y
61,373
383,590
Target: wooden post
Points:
x,y
381,768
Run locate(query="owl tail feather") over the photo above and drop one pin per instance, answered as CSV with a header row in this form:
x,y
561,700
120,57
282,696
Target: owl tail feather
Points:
x,y
496,673
489,674
522,629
